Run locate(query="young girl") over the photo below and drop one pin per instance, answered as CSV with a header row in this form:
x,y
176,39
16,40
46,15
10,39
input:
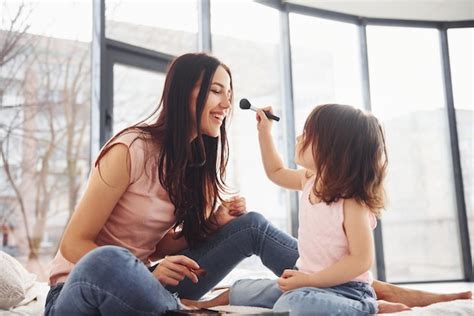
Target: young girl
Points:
x,y
342,152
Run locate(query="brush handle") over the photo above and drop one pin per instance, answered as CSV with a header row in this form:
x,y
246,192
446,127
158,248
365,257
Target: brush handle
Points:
x,y
267,114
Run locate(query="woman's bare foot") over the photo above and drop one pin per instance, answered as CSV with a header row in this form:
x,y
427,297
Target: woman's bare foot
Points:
x,y
191,304
389,307
414,298
221,299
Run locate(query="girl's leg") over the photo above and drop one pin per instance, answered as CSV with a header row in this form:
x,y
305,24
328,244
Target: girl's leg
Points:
x,y
258,293
413,298
110,280
339,300
244,236
248,292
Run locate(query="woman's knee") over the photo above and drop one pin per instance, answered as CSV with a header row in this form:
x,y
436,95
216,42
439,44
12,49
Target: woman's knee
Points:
x,y
254,218
108,254
103,260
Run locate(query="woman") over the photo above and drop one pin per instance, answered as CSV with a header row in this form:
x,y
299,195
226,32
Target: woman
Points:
x,y
157,191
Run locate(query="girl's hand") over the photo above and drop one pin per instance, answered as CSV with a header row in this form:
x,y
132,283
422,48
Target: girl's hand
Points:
x,y
293,279
263,123
172,270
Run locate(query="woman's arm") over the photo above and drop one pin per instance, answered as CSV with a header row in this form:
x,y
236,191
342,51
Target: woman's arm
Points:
x,y
275,170
358,261
102,193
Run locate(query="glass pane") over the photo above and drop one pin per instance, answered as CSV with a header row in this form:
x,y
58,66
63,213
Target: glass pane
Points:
x,y
461,54
44,125
326,64
253,55
407,95
168,26
252,52
134,103
71,20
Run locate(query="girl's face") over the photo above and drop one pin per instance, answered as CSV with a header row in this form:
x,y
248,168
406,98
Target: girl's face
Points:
x,y
218,103
304,158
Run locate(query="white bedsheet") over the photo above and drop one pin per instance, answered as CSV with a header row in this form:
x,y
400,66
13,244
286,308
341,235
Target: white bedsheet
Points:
x,y
458,308
38,294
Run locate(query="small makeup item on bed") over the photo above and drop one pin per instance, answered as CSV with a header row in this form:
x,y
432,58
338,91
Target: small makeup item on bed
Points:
x,y
226,310
195,312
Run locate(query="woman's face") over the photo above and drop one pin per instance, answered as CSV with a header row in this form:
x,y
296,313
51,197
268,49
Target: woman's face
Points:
x,y
217,105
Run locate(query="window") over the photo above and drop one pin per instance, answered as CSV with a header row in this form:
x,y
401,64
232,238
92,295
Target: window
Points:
x,y
252,52
408,96
11,92
461,43
133,103
45,141
326,64
253,55
165,26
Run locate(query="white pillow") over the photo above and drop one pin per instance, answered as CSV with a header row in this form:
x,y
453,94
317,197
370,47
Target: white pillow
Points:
x,y
14,281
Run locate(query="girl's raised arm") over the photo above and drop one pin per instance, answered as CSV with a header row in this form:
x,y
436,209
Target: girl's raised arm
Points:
x,y
102,193
276,171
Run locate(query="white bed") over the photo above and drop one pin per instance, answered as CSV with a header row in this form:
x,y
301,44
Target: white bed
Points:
x,y
459,307
36,296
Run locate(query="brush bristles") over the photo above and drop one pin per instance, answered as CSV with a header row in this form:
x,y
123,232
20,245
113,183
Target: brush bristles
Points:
x,y
244,104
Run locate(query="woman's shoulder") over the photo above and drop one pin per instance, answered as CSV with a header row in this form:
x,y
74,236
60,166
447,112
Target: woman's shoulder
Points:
x,y
136,140
130,136
140,146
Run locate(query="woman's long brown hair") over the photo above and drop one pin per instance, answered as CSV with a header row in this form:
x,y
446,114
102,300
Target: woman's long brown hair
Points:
x,y
348,146
192,172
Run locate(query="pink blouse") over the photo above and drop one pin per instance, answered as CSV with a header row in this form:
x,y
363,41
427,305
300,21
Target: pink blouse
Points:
x,y
142,215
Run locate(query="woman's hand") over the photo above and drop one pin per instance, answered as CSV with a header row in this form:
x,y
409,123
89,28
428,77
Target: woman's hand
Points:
x,y
173,269
230,209
236,205
263,123
293,279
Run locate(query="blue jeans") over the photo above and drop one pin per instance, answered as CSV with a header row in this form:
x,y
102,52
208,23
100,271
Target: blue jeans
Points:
x,y
352,298
110,280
